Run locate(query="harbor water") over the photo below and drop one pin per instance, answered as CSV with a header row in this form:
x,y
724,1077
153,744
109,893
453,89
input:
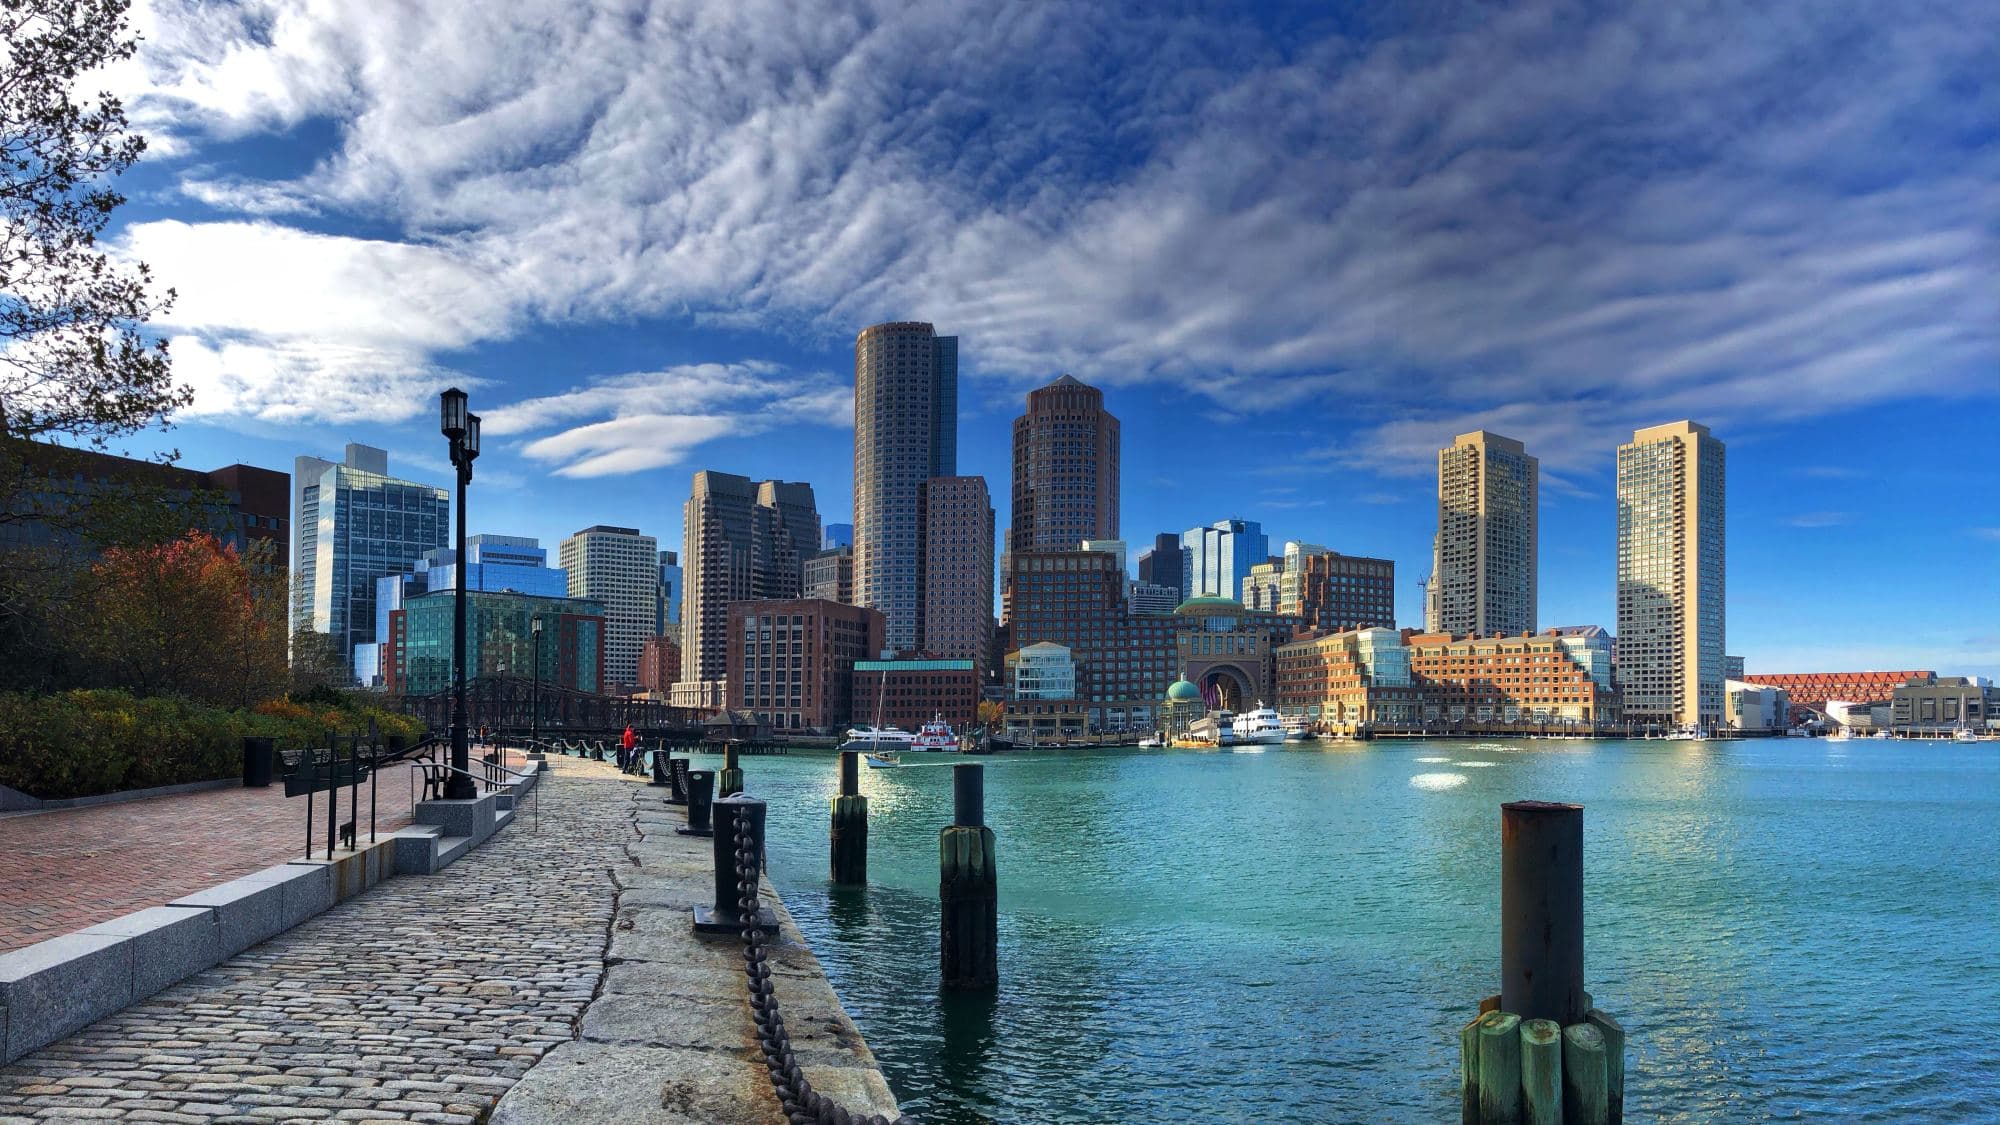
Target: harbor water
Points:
x,y
1789,929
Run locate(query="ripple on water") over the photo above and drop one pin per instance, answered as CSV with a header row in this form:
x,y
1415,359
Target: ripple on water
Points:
x,y
1437,781
1476,765
1433,761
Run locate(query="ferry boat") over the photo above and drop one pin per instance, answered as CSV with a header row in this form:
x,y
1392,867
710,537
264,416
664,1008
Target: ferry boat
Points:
x,y
935,738
1298,728
878,738
1258,727
883,759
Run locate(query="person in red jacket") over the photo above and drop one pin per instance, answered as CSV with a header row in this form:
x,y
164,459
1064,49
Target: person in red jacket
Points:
x,y
625,752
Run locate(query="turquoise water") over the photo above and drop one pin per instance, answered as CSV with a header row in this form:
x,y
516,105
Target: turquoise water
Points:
x,y
1789,929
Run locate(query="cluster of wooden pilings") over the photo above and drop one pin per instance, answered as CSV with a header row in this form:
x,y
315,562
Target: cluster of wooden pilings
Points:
x,y
1540,1053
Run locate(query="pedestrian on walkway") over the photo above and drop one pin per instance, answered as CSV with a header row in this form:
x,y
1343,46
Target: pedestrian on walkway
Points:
x,y
625,746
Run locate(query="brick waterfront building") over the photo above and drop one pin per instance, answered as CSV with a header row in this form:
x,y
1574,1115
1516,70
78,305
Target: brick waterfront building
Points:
x,y
907,693
1815,689
659,664
791,662
1076,599
1386,679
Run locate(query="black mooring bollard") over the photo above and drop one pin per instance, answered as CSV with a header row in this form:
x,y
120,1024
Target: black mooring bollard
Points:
x,y
1541,911
677,778
1540,1051
729,782
701,794
735,816
968,887
659,768
847,840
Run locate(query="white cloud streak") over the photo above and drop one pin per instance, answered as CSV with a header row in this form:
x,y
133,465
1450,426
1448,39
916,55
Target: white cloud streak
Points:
x,y
1555,221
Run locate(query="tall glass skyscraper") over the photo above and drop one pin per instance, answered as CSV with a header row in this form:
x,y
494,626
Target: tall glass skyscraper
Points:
x,y
1216,559
353,524
905,433
1671,641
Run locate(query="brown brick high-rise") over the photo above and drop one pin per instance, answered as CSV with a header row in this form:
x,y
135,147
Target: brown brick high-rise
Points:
x,y
1065,469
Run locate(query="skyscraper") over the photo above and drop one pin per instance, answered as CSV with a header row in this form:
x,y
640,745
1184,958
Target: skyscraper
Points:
x,y
905,432
1065,468
958,569
620,568
1161,566
1483,558
1216,559
1671,652
837,535
667,605
355,524
743,540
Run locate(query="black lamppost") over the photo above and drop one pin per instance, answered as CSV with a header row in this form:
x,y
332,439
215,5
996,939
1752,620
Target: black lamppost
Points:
x,y
462,430
535,717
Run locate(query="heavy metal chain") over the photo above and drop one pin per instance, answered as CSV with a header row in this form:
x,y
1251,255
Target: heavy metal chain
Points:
x,y
803,1105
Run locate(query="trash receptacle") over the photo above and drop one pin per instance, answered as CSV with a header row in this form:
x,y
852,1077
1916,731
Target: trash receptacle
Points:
x,y
258,754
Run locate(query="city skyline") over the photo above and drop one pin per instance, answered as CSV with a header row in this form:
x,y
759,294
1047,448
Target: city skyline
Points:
x,y
1559,257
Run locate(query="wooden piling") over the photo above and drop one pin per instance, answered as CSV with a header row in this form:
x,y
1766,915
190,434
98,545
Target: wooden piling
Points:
x,y
968,888
1500,1069
1586,1099
1468,1070
1614,1061
847,838
1541,1072
729,782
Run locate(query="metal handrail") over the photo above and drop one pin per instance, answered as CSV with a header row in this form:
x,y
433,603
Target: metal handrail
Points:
x,y
490,784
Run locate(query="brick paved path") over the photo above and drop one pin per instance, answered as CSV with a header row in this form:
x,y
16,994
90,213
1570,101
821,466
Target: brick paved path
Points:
x,y
422,1000
64,870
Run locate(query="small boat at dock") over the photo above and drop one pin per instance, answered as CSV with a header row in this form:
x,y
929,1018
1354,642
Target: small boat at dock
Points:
x,y
885,759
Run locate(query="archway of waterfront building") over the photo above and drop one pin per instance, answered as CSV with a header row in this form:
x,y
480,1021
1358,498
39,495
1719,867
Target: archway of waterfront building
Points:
x,y
1229,686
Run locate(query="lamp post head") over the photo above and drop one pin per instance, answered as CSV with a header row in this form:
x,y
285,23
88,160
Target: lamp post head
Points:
x,y
451,413
471,437
535,626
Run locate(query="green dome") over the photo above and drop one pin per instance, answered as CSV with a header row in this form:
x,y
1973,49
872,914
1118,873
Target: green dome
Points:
x,y
1205,607
1183,691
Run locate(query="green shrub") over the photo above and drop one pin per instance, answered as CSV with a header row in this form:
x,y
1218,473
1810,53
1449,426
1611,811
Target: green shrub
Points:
x,y
82,743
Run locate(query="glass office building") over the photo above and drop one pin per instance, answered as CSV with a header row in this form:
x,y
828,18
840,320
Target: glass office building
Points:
x,y
500,640
355,525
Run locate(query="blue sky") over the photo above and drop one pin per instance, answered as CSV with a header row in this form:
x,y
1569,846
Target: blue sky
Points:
x,y
1299,248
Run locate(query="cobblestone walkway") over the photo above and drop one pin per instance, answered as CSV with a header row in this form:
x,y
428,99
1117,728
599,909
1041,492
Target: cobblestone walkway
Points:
x,y
422,1000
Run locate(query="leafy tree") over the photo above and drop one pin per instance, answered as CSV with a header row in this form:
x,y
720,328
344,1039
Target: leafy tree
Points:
x,y
318,670
190,617
74,365
990,712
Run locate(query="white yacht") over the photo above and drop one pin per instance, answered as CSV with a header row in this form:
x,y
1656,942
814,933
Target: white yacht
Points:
x,y
935,738
878,738
1260,726
1298,728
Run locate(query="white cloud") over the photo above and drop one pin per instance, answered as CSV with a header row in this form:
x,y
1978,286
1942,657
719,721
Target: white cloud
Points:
x,y
649,419
1560,224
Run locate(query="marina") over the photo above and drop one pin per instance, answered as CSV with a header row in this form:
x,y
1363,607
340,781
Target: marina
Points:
x,y
1762,962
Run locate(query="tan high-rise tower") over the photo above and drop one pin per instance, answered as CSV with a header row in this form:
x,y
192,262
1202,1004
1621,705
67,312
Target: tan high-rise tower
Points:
x,y
1671,563
741,540
1483,562
1065,469
621,568
905,432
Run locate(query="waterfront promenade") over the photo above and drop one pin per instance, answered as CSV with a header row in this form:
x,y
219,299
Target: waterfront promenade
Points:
x,y
429,998
65,869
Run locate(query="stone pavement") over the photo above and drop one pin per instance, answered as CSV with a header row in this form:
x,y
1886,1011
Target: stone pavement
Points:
x,y
66,869
421,1000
